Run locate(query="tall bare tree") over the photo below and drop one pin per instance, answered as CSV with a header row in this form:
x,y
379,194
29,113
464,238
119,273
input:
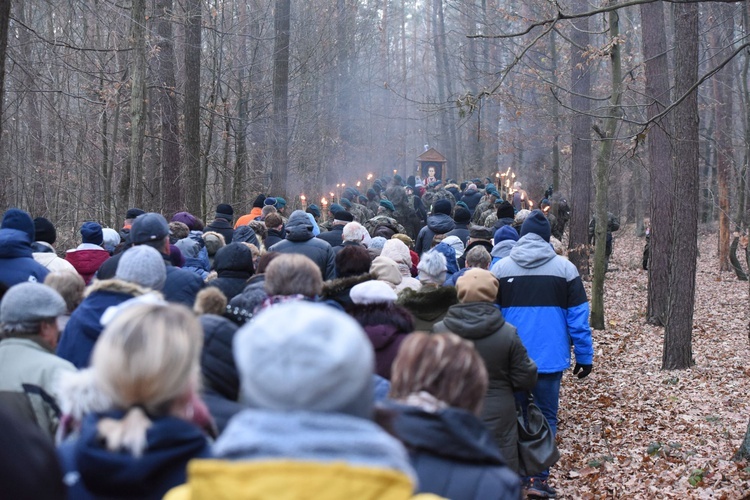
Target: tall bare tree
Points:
x,y
678,334
193,44
654,40
280,97
580,194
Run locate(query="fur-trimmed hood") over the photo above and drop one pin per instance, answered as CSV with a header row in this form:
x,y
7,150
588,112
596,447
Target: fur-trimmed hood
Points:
x,y
117,286
428,303
334,288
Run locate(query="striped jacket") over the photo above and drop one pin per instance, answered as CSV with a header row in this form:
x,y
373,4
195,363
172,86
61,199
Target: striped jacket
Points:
x,y
542,294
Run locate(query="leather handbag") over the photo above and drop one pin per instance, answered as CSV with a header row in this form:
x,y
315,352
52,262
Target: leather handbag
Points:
x,y
537,449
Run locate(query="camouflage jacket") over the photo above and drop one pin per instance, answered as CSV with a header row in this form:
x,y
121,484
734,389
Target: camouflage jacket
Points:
x,y
383,220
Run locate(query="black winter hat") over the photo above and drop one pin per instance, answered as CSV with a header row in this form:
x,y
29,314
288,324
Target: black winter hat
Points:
x,y
258,203
462,216
536,223
44,231
133,213
442,206
225,211
505,210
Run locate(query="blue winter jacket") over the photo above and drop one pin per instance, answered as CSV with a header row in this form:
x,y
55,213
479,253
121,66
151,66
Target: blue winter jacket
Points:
x,y
542,295
92,471
84,327
17,264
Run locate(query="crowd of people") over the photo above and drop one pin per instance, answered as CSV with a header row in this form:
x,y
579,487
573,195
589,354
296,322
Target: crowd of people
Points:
x,y
380,348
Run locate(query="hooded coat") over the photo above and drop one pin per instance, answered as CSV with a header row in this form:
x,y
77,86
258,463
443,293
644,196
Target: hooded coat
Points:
x,y
17,263
387,270
508,365
268,455
95,472
196,261
428,305
338,289
386,337
234,266
300,239
84,327
45,254
436,224
454,454
542,294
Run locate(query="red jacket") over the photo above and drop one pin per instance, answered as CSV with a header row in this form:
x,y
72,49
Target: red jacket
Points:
x,y
87,262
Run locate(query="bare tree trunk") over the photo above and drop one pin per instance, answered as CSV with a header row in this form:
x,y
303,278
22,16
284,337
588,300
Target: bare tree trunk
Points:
x,y
164,73
602,175
280,97
555,116
580,195
137,96
722,88
657,91
258,136
240,136
447,121
678,334
4,22
192,110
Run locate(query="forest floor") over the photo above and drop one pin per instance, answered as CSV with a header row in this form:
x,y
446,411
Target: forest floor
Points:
x,y
631,430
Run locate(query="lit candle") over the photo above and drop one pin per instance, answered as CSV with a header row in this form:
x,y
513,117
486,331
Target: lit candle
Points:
x,y
369,177
395,171
303,199
323,201
359,183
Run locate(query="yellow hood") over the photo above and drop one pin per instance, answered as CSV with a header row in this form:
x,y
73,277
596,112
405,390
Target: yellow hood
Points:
x,y
290,480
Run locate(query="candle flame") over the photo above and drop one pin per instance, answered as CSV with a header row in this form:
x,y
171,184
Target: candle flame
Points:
x,y
323,201
369,177
303,198
359,183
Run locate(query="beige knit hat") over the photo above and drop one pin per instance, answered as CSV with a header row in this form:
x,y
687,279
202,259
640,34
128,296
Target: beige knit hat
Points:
x,y
477,285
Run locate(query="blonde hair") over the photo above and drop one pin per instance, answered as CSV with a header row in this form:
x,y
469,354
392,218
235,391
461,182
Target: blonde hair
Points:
x,y
293,273
146,360
69,284
443,365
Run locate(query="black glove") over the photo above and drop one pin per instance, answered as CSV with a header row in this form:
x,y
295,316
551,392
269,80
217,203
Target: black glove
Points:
x,y
584,369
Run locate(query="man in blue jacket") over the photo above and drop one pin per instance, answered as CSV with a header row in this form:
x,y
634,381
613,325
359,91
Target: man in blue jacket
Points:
x,y
542,295
17,264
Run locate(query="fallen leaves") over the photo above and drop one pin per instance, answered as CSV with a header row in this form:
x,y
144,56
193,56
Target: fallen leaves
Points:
x,y
631,430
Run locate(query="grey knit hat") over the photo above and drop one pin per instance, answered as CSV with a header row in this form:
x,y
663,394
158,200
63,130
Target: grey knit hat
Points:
x,y
305,356
28,302
143,266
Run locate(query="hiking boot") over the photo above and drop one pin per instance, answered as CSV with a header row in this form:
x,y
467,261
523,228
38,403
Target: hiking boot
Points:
x,y
538,488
